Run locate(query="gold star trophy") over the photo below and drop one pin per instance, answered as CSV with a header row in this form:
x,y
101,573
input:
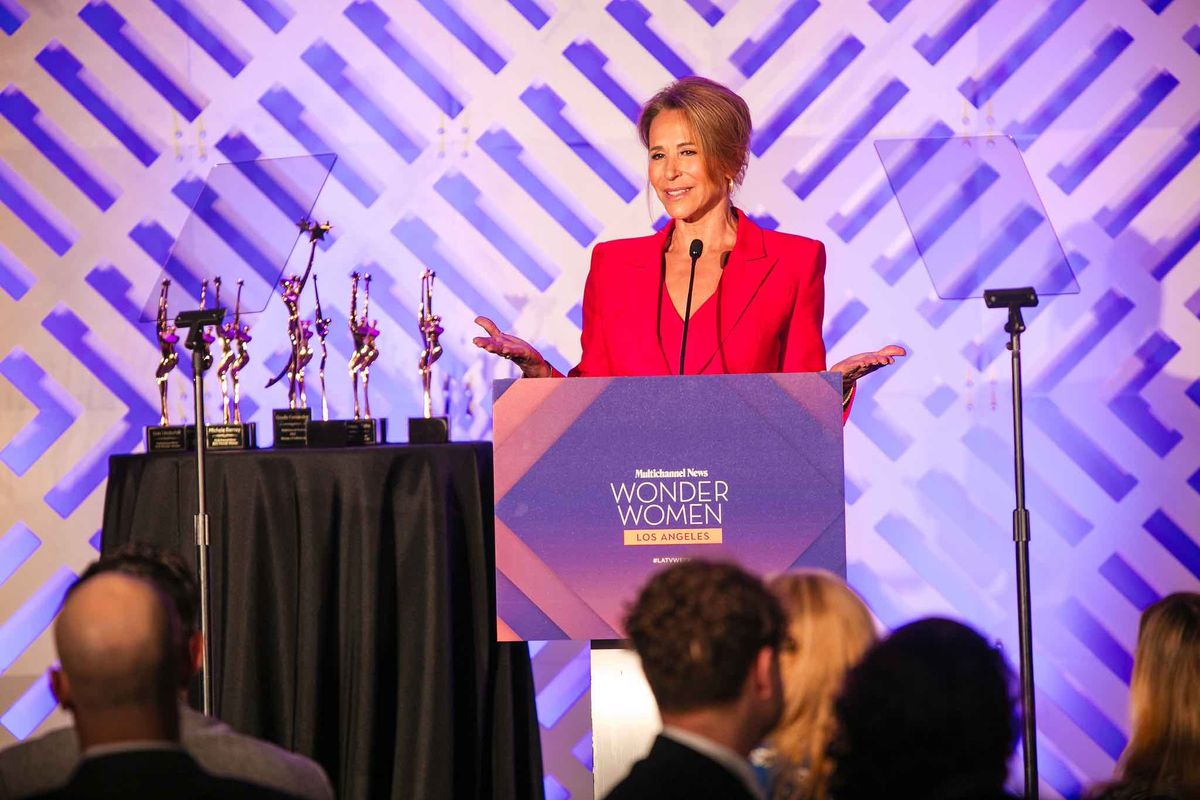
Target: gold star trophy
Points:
x,y
291,424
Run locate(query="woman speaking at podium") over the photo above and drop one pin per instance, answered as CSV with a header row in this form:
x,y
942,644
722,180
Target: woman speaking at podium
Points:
x,y
712,292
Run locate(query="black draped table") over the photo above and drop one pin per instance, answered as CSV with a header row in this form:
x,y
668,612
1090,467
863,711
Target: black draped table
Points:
x,y
353,613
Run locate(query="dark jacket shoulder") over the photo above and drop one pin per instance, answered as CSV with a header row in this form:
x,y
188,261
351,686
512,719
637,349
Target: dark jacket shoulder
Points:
x,y
153,774
674,771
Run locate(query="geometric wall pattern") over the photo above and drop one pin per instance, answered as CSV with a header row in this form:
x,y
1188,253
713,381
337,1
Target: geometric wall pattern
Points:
x,y
493,141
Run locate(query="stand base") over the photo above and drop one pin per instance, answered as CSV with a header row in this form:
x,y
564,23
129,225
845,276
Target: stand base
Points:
x,y
428,430
346,432
166,438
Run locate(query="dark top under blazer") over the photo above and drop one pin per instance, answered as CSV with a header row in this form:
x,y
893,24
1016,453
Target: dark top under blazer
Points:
x,y
674,771
765,316
151,774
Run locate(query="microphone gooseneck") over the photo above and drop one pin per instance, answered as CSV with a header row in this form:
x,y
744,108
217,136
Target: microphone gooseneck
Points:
x,y
694,250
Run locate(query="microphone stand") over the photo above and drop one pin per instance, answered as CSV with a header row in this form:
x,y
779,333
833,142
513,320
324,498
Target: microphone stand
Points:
x,y
1014,300
196,321
694,250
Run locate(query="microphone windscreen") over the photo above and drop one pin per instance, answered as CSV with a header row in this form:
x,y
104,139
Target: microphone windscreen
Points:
x,y
696,248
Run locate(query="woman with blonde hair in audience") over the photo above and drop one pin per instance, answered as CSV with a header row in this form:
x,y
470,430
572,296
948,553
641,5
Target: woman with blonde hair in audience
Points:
x,y
829,629
1162,759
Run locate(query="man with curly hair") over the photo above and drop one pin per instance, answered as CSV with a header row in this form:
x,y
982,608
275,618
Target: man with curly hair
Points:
x,y
709,636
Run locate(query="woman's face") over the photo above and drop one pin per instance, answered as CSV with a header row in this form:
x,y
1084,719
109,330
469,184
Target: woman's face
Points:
x,y
677,171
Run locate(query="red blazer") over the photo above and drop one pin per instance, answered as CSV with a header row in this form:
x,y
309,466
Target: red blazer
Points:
x,y
764,317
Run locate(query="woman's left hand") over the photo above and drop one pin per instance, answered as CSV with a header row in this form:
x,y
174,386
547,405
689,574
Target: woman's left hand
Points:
x,y
863,364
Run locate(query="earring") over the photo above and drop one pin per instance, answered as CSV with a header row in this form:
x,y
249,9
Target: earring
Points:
x,y
731,185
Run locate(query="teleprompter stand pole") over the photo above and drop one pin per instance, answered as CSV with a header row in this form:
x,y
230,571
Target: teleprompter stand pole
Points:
x,y
196,321
1014,300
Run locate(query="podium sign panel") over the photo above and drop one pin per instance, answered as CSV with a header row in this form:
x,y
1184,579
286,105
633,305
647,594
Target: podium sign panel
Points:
x,y
601,482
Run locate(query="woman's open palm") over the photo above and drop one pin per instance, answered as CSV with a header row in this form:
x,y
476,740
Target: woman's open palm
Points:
x,y
518,351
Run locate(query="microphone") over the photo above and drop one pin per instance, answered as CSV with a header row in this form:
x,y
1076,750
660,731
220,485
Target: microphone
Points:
x,y
694,250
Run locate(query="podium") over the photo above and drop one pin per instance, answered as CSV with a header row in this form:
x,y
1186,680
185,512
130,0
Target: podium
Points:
x,y
601,482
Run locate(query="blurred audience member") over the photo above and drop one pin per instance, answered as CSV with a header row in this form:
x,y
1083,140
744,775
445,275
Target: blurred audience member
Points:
x,y
45,763
829,628
122,653
928,713
1162,759
709,637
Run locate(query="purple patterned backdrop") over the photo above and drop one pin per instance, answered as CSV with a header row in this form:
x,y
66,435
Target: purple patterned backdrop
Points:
x,y
493,142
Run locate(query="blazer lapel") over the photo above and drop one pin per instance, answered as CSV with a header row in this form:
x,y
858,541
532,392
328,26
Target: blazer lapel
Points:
x,y
748,266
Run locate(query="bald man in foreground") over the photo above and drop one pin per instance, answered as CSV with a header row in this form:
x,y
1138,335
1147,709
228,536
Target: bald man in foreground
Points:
x,y
122,652
43,763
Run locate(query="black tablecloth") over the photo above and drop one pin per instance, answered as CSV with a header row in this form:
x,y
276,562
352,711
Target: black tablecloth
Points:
x,y
353,614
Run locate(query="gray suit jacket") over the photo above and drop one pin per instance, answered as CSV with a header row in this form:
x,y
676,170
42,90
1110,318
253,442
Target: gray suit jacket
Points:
x,y
42,764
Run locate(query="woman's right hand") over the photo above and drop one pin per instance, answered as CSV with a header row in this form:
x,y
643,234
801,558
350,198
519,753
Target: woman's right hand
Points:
x,y
518,351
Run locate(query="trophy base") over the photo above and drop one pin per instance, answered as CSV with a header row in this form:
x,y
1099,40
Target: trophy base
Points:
x,y
290,426
346,432
166,438
231,436
428,430
173,438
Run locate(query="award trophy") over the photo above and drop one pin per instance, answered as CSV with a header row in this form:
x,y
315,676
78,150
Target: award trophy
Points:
x,y
208,337
201,337
232,433
241,359
291,424
428,429
363,429
164,435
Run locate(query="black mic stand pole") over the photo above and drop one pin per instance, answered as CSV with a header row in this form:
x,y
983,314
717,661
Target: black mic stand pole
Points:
x,y
694,251
196,321
1014,300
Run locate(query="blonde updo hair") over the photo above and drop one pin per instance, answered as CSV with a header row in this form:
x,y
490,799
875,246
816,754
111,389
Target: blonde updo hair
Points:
x,y
718,118
830,629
